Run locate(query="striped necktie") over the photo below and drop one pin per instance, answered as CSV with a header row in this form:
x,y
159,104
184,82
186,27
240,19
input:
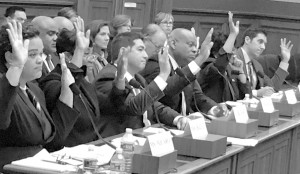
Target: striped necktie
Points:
x,y
33,100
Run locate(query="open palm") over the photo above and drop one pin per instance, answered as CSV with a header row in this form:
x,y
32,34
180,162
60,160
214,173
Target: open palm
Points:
x,y
19,48
82,39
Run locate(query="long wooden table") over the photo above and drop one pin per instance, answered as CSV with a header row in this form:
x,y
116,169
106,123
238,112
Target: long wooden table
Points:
x,y
278,151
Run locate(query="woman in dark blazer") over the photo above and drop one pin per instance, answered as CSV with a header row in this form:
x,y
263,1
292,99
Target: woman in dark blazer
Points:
x,y
25,124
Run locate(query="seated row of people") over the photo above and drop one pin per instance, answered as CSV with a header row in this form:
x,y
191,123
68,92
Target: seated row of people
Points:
x,y
151,78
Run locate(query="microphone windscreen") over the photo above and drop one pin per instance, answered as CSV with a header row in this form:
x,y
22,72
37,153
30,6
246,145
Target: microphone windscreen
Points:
x,y
134,84
260,74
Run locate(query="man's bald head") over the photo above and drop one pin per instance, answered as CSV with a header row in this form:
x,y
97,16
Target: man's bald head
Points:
x,y
63,22
48,32
155,38
182,44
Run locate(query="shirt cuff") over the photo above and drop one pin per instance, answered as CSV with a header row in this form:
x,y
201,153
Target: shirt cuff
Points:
x,y
160,83
284,66
211,111
194,68
175,121
13,75
254,92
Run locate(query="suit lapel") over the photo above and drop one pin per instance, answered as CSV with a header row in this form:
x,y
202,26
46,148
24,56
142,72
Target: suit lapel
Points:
x,y
28,102
241,57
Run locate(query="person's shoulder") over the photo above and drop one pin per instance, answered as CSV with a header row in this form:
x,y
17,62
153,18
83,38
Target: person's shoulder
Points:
x,y
108,71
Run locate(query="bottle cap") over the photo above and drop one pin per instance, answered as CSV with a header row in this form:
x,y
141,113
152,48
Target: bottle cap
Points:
x,y
128,130
119,150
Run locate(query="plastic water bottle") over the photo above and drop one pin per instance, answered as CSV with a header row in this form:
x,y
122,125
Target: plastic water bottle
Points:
x,y
117,163
246,100
127,144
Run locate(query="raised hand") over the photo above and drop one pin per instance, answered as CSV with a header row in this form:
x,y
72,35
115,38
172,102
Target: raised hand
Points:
x,y
19,48
285,50
164,63
122,62
205,48
66,77
82,39
234,29
122,65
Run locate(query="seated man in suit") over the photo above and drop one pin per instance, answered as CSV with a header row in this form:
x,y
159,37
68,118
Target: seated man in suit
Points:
x,y
25,123
254,43
185,96
138,107
85,126
217,77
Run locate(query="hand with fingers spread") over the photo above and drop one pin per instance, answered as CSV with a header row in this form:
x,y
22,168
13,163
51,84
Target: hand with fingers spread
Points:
x,y
66,95
205,48
286,50
82,39
19,47
122,65
234,29
82,42
164,63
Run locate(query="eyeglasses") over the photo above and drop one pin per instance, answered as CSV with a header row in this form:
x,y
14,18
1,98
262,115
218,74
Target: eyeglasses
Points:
x,y
167,23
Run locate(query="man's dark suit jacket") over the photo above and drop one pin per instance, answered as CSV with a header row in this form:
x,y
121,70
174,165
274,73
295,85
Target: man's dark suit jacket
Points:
x,y
192,91
276,81
21,133
78,128
217,87
270,64
128,109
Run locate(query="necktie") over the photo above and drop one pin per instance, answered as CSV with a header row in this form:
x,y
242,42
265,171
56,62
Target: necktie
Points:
x,y
146,122
45,124
250,74
33,100
49,62
183,103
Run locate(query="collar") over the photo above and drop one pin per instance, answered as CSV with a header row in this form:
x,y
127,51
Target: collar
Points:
x,y
128,76
246,57
173,62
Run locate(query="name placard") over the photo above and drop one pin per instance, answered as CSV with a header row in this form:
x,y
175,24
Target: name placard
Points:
x,y
290,96
240,114
267,104
197,128
160,144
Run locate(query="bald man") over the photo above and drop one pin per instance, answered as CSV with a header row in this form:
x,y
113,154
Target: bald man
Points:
x,y
63,22
48,33
184,96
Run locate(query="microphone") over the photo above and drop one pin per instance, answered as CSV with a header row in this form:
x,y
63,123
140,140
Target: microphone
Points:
x,y
74,88
134,83
260,74
288,83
